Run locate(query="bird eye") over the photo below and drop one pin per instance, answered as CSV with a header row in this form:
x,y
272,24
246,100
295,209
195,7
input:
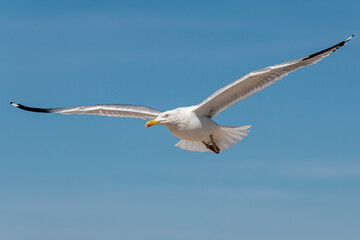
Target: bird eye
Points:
x,y
166,115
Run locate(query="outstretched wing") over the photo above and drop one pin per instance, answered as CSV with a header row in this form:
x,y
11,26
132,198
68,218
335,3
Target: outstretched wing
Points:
x,y
111,110
256,81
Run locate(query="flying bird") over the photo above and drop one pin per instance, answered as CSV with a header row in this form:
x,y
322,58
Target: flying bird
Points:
x,y
194,125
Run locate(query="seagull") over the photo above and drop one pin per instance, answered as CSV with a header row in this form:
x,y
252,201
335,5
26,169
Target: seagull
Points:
x,y
194,125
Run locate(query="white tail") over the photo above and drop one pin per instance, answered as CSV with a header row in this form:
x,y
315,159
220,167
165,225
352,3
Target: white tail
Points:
x,y
228,136
224,137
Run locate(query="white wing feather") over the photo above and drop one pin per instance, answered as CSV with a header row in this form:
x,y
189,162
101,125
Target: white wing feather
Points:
x,y
256,81
111,110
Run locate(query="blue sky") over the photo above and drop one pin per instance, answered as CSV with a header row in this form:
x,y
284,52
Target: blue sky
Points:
x,y
296,176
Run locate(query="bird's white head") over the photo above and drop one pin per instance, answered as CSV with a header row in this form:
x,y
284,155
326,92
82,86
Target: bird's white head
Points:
x,y
166,118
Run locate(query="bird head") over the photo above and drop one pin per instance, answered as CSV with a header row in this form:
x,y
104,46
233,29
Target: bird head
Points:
x,y
165,118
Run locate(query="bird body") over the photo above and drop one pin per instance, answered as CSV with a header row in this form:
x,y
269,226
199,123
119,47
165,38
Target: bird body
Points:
x,y
188,125
198,132
194,125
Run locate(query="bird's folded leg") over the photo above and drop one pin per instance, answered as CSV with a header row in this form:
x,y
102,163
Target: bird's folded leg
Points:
x,y
212,145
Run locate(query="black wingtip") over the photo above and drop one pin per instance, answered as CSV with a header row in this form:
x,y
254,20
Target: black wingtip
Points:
x,y
333,48
15,104
41,110
350,37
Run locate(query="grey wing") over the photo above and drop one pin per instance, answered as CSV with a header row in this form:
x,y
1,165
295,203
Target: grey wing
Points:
x,y
256,81
111,110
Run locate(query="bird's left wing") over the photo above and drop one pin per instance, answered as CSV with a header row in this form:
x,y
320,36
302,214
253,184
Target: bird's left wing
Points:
x,y
256,81
111,110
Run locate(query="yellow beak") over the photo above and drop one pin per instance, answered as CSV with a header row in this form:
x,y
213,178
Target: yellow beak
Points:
x,y
151,122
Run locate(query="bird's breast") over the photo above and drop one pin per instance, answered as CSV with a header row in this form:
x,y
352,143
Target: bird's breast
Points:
x,y
194,129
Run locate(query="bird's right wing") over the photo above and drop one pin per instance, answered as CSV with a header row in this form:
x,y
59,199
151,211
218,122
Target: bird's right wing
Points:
x,y
256,81
111,110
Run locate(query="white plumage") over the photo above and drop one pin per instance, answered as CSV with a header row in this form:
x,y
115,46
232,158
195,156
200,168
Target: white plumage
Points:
x,y
194,124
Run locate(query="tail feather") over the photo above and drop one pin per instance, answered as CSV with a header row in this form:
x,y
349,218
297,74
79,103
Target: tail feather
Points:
x,y
224,137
